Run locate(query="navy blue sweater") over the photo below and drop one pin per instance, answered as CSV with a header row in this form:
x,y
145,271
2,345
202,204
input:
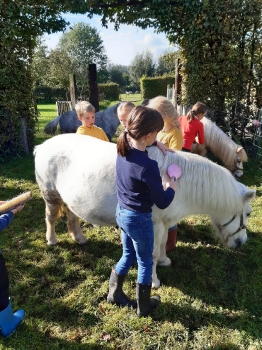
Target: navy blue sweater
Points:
x,y
5,220
139,184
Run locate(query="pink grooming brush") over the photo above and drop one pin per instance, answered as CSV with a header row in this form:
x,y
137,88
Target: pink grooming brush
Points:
x,y
174,170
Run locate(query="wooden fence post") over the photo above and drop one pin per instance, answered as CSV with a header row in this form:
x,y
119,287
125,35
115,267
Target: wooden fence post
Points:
x,y
72,80
176,85
167,91
93,89
23,136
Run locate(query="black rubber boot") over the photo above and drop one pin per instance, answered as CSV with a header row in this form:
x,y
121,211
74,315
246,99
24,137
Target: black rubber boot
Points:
x,y
145,303
116,294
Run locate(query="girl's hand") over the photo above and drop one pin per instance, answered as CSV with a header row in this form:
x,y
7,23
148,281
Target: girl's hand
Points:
x,y
163,147
172,183
18,208
2,202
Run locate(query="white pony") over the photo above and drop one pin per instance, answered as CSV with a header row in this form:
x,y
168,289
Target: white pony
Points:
x,y
80,171
222,146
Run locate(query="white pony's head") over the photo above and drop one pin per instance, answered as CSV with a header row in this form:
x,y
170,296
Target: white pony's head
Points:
x,y
223,147
232,231
207,188
240,157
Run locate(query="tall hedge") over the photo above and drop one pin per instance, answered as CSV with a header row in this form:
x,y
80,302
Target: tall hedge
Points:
x,y
110,91
48,94
152,87
16,102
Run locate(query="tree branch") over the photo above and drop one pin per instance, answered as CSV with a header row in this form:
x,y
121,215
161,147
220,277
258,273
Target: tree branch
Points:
x,y
133,3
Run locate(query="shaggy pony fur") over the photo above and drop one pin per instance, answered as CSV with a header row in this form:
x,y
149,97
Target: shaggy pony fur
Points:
x,y
223,147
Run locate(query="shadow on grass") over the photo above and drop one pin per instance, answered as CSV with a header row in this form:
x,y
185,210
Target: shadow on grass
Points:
x,y
215,278
19,169
209,276
33,339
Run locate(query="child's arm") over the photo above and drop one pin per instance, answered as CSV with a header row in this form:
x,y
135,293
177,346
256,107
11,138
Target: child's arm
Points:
x,y
6,218
162,147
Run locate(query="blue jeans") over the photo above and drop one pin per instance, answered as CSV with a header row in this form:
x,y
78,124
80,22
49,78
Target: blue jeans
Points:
x,y
138,243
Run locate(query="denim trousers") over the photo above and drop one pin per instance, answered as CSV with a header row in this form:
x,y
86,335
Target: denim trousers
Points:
x,y
138,243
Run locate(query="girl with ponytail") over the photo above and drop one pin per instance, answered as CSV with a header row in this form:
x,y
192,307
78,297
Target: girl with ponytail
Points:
x,y
192,127
139,187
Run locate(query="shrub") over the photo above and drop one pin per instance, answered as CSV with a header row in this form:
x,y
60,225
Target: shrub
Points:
x,y
152,87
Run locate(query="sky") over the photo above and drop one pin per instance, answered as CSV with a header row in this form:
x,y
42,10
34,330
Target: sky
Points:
x,y
121,46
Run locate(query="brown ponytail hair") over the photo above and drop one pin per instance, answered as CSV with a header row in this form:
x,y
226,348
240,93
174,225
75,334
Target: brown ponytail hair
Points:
x,y
198,108
141,121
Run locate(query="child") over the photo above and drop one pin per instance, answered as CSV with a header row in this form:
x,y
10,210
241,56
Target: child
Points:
x,y
171,136
8,320
86,114
191,126
123,111
139,187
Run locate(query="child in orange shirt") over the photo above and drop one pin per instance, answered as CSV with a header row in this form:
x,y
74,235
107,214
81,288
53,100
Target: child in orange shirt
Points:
x,y
192,127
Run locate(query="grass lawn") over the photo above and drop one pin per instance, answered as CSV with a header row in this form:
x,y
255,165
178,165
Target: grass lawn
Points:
x,y
135,98
211,297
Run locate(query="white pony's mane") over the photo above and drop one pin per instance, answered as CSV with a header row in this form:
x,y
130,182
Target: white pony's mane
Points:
x,y
204,183
219,143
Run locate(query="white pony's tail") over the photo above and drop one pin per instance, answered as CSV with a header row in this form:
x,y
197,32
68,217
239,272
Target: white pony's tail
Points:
x,y
51,127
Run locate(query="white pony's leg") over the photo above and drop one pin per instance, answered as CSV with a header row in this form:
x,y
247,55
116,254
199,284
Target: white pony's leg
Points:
x,y
163,260
52,212
159,232
74,229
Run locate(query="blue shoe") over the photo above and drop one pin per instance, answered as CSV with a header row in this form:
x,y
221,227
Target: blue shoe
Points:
x,y
9,321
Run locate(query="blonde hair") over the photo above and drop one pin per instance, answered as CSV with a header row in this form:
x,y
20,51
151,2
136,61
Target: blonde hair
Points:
x,y
82,107
125,107
166,109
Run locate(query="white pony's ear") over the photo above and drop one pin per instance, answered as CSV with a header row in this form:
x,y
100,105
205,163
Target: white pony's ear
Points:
x,y
242,153
249,195
239,149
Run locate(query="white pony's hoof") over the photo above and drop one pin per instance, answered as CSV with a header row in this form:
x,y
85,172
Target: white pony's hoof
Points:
x,y
52,242
82,241
79,240
156,283
166,262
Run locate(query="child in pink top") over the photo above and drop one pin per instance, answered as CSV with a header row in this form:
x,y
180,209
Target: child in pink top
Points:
x,y
192,127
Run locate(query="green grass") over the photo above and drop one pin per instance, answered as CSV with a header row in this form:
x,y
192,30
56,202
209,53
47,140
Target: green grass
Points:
x,y
211,297
135,98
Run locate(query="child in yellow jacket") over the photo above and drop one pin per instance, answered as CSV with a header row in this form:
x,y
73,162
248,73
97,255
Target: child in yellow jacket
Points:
x,y
170,136
86,114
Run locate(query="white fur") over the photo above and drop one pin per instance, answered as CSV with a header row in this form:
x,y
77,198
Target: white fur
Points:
x,y
221,146
80,171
